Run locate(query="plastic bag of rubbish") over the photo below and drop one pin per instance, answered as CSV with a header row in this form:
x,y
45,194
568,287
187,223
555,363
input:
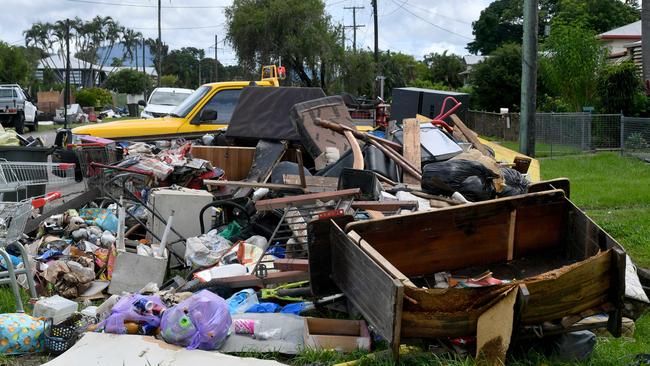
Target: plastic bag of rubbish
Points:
x,y
205,250
471,179
516,183
241,301
200,321
133,308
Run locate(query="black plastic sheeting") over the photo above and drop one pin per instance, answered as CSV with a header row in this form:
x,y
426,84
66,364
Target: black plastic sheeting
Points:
x,y
263,112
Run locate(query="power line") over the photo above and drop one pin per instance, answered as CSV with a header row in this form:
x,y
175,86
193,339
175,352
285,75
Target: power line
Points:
x,y
354,25
436,13
335,3
179,28
148,6
431,23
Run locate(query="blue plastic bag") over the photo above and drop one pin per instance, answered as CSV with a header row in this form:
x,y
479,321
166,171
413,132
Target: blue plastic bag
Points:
x,y
101,217
264,307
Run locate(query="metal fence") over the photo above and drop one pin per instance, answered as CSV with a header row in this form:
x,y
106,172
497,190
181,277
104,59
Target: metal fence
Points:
x,y
635,137
559,134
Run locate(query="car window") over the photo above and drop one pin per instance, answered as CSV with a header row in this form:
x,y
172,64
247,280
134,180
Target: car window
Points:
x,y
224,102
7,93
167,98
188,104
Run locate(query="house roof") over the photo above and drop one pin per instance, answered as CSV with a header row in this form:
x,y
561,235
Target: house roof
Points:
x,y
57,61
629,31
473,59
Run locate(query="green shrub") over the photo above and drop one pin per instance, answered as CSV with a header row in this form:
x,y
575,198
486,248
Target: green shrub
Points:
x,y
94,97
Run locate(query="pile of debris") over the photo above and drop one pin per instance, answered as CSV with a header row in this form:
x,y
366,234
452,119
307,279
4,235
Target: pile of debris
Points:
x,y
419,228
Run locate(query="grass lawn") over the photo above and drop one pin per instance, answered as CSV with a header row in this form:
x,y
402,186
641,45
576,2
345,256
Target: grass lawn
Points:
x,y
614,191
542,149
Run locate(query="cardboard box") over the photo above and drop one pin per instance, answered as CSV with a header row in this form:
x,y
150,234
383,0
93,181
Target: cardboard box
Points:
x,y
337,334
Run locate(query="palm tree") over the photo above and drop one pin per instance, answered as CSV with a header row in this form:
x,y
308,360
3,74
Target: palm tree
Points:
x,y
130,40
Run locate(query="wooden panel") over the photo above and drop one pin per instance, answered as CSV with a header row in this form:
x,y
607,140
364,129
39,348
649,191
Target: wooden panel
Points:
x,y
235,161
584,237
412,151
539,227
568,290
374,292
455,237
320,254
314,183
547,185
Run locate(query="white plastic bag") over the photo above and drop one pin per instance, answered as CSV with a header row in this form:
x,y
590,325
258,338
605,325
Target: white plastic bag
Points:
x,y
205,250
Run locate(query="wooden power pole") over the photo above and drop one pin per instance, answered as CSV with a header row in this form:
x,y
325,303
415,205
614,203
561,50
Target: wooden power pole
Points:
x,y
354,25
528,79
159,46
216,61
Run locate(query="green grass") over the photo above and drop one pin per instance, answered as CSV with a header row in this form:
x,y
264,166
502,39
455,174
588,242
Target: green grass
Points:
x,y
55,126
542,149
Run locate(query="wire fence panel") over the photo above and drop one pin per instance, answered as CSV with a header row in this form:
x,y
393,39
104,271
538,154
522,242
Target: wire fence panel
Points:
x,y
635,137
556,134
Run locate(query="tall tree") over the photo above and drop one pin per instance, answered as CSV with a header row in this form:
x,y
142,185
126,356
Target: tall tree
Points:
x,y
574,58
130,40
297,31
502,21
184,63
497,80
15,66
444,68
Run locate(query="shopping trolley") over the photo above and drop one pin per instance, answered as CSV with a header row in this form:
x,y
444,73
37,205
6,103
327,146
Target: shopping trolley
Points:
x,y
18,176
13,218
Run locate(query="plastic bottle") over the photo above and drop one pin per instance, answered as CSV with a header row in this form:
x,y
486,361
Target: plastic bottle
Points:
x,y
257,328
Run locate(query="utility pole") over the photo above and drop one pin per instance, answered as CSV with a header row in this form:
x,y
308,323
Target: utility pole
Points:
x,y
528,79
66,97
374,16
354,25
199,72
216,61
159,46
645,42
144,69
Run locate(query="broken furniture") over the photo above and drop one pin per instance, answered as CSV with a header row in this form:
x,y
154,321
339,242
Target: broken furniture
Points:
x,y
557,260
341,335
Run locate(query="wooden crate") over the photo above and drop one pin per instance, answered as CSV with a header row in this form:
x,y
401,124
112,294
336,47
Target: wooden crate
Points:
x,y
568,266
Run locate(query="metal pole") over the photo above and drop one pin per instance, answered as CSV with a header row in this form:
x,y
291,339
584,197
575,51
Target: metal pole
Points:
x,y
216,61
66,97
622,143
528,79
374,15
159,46
354,25
144,70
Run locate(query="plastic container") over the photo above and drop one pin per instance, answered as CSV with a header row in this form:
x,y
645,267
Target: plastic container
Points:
x,y
256,328
55,307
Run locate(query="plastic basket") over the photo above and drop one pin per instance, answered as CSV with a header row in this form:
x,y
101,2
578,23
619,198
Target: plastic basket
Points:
x,y
59,338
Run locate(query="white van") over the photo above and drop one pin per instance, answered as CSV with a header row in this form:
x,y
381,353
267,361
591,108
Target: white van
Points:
x,y
162,101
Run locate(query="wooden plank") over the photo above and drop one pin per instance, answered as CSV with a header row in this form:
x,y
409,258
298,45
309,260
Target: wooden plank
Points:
x,y
274,203
494,329
411,149
291,264
230,183
272,278
314,183
356,150
385,205
547,185
470,135
267,155
511,234
234,160
377,295
569,290
320,254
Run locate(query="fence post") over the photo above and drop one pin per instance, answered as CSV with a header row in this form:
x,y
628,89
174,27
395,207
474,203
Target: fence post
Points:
x,y
622,133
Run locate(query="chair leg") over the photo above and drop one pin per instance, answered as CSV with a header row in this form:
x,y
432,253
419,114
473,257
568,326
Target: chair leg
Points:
x,y
28,272
13,281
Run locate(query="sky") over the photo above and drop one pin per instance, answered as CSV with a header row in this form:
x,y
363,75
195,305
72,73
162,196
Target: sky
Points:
x,y
415,27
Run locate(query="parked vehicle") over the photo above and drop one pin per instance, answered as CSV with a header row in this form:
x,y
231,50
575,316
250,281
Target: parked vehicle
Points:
x,y
162,101
208,109
16,108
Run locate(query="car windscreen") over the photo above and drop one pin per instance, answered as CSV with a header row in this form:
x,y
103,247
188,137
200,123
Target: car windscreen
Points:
x,y
188,104
167,98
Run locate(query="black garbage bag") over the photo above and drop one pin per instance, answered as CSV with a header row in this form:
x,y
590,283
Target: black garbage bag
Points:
x,y
516,183
471,179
